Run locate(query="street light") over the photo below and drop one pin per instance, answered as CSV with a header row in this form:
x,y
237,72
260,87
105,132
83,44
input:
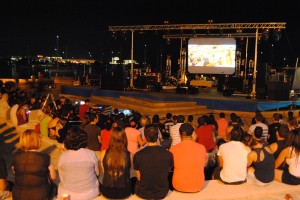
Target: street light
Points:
x,y
57,38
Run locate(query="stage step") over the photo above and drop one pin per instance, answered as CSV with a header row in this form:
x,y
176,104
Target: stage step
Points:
x,y
151,107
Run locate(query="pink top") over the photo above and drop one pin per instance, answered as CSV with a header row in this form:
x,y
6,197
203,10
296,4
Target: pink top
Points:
x,y
132,134
105,138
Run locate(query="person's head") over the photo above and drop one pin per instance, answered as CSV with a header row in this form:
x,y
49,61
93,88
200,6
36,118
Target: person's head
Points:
x,y
133,123
234,117
30,140
283,131
116,111
118,139
186,129
276,117
62,99
190,118
168,116
258,118
292,122
236,133
258,132
155,118
93,117
65,113
108,124
248,140
87,101
119,122
76,138
290,114
151,133
222,115
144,121
294,141
180,119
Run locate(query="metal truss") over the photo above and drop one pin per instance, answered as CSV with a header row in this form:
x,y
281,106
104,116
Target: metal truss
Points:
x,y
229,35
210,26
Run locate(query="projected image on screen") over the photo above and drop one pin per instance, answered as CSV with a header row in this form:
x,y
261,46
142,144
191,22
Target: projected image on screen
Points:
x,y
211,55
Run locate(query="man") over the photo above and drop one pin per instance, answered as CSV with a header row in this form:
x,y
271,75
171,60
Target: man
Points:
x,y
94,135
83,109
273,128
152,165
166,143
63,126
189,161
222,126
174,130
259,122
4,108
232,159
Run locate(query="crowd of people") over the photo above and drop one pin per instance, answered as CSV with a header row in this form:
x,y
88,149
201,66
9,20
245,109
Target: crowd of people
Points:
x,y
117,155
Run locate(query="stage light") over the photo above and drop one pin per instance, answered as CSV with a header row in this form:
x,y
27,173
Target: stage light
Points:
x,y
265,35
277,35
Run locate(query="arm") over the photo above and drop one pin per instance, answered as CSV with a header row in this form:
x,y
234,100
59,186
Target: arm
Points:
x,y
23,113
52,172
283,154
102,154
140,140
252,157
220,161
138,175
99,138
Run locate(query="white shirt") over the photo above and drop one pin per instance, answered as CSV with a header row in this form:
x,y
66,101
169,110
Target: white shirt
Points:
x,y
174,133
263,126
234,156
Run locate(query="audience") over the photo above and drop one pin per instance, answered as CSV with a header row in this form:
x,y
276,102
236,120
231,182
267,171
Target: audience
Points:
x,y
189,162
32,169
4,193
83,109
152,171
4,107
174,130
205,134
78,167
222,125
273,129
116,182
259,119
45,120
21,114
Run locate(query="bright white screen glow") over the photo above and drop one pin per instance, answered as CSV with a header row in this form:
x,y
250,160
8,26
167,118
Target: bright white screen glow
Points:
x,y
211,55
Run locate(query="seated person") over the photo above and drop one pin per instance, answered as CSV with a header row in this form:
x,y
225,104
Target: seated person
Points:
x,y
21,114
261,161
232,159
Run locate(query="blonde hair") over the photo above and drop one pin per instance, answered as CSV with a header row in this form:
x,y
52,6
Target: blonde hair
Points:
x,y
30,140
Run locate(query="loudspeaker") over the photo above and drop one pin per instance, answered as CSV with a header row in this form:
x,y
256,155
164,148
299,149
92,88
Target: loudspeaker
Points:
x,y
279,91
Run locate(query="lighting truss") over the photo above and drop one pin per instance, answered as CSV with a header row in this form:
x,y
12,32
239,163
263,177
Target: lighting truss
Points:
x,y
210,26
229,35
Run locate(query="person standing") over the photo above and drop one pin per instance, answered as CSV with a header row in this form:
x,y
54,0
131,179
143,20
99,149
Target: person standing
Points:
x,y
152,165
83,109
4,107
188,173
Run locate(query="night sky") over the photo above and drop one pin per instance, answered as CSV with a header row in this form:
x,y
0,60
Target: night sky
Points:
x,y
30,27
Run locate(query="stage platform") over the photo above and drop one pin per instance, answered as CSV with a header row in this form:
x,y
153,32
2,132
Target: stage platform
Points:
x,y
209,97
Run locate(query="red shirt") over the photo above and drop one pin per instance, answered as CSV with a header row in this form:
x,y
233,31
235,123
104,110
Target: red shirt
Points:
x,y
105,138
205,136
83,110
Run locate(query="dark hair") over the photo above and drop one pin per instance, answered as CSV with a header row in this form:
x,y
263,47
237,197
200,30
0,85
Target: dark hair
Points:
x,y
220,141
190,118
155,118
259,117
180,119
151,133
92,117
276,116
168,115
248,140
236,133
76,138
233,117
108,124
222,115
283,130
258,132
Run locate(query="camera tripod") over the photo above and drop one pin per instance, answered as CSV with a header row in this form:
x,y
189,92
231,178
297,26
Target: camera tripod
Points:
x,y
52,99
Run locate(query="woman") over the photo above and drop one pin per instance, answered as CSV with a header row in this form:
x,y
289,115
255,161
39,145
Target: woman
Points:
x,y
21,114
105,134
116,164
44,122
261,161
32,169
290,154
78,167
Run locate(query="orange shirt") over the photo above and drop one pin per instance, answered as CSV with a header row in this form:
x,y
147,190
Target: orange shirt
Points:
x,y
189,161
222,126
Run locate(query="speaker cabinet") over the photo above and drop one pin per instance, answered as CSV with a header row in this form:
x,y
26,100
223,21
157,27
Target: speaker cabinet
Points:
x,y
279,91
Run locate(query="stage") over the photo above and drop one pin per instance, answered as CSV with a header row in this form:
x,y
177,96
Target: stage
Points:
x,y
209,97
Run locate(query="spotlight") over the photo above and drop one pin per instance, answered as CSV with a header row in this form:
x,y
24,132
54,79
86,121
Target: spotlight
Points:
x,y
265,35
277,35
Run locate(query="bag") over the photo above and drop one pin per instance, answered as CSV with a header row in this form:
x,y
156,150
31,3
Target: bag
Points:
x,y
53,190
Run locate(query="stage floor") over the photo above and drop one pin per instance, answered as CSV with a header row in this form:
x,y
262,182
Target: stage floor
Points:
x,y
210,97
